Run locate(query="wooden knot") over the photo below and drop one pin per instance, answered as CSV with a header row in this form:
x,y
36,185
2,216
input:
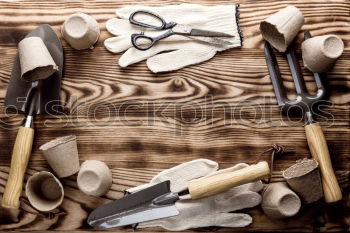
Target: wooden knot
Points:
x,y
178,82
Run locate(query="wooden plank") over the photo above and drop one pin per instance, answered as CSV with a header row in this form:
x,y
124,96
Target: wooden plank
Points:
x,y
140,123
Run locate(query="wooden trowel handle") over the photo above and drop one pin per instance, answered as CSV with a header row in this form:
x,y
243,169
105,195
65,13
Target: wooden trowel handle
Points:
x,y
20,157
224,181
319,151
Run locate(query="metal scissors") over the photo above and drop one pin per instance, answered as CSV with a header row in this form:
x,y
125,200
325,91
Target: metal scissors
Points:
x,y
143,42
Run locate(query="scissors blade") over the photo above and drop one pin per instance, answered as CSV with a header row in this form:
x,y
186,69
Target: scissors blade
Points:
x,y
212,40
206,33
211,37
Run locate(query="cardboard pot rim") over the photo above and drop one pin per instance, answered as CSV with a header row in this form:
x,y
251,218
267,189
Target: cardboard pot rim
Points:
x,y
102,178
286,172
31,198
37,69
87,38
267,28
57,142
77,15
340,46
42,67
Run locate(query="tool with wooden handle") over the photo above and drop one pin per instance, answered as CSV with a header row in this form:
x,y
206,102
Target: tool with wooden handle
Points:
x,y
309,104
158,201
319,150
30,98
20,157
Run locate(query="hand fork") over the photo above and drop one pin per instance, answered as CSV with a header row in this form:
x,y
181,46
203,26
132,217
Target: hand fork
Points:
x,y
315,138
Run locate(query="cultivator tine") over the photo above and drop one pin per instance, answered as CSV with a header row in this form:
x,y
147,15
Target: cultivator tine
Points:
x,y
303,98
299,82
275,75
320,78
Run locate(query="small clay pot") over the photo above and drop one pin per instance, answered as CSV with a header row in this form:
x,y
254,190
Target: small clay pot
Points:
x,y
321,52
62,155
280,28
35,59
94,178
44,191
279,201
305,179
81,31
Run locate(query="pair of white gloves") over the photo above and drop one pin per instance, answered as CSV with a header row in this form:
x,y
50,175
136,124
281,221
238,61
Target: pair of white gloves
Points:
x,y
209,211
174,52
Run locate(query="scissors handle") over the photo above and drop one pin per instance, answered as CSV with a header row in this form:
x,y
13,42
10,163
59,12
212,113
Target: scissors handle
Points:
x,y
143,42
161,22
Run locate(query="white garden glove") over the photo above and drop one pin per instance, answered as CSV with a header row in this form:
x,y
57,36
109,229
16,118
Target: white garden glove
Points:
x,y
209,211
180,50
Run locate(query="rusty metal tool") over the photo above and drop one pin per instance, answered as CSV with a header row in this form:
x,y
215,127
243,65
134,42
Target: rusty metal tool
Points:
x,y
308,104
30,98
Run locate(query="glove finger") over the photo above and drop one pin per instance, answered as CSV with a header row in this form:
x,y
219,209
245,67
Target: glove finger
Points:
x,y
232,220
119,27
118,44
138,188
167,224
180,58
154,223
228,201
254,187
231,169
125,12
133,55
221,220
180,175
180,13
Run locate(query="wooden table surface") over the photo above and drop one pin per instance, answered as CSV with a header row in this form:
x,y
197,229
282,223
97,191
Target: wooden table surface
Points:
x,y
140,123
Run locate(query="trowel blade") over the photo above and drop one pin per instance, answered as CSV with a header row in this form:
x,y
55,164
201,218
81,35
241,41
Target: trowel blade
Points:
x,y
45,92
138,207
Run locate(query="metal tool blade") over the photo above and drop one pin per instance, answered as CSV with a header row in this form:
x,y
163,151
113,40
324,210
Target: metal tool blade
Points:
x,y
206,33
299,82
275,75
40,96
211,37
151,203
212,40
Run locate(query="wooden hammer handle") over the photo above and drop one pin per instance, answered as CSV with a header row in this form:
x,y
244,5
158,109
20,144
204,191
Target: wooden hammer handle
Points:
x,y
319,151
224,181
20,157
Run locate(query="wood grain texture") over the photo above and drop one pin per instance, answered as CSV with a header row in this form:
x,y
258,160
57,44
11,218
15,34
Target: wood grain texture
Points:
x,y
140,123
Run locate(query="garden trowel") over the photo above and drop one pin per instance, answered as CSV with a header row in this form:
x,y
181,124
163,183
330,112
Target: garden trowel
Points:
x,y
158,201
30,98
